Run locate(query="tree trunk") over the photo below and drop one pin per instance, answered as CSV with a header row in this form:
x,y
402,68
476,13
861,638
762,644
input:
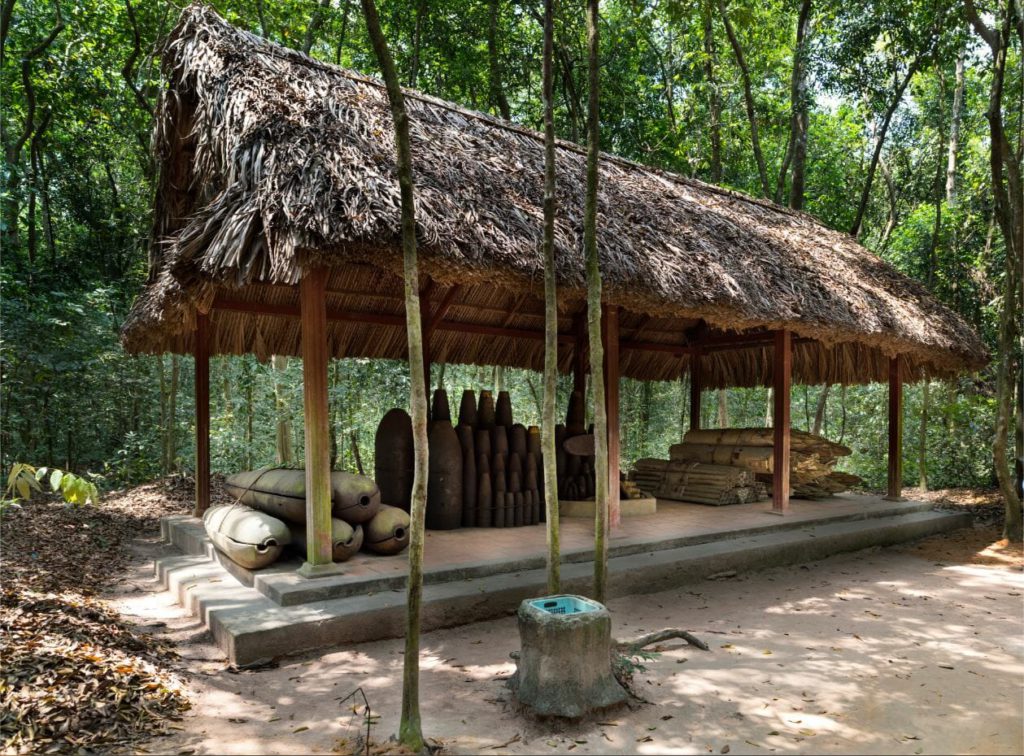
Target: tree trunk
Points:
x,y
171,431
748,99
922,437
819,409
550,314
954,131
314,26
163,415
865,194
723,408
1004,165
283,436
417,44
890,192
596,343
498,99
796,149
342,36
714,96
410,729
249,410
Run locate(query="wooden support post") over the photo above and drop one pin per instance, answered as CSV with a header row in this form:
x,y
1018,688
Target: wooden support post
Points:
x,y
895,431
782,381
426,330
312,301
202,388
610,331
696,387
579,355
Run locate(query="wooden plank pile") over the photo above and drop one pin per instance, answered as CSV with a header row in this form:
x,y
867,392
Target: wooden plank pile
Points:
x,y
683,480
695,468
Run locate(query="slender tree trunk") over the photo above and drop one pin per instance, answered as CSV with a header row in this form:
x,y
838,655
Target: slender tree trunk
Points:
x,y
344,32
309,39
748,99
954,131
769,406
842,413
249,410
890,192
594,310
723,408
819,409
796,148
163,415
417,43
714,95
550,313
922,437
283,435
410,730
865,194
498,98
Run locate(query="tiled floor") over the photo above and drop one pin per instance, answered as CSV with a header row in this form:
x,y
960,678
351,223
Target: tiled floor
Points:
x,y
466,546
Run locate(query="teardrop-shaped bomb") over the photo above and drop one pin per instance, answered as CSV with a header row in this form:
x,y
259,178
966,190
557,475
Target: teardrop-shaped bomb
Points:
x,y
467,409
533,441
519,507
517,439
282,493
530,473
483,441
515,481
345,539
503,410
576,415
393,458
484,498
510,509
469,483
498,462
514,467
247,537
444,482
387,532
485,411
354,498
499,440
465,434
439,408
499,490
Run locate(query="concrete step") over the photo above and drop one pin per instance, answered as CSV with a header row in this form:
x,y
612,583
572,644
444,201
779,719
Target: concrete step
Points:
x,y
250,627
281,583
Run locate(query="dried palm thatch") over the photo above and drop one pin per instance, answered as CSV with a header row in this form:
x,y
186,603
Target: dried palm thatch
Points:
x,y
271,162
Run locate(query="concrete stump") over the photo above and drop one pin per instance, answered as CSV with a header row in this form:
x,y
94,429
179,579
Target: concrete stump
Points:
x,y
564,667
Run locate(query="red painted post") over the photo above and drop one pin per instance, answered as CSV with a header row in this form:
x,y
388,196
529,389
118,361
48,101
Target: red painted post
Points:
x,y
895,431
782,379
201,354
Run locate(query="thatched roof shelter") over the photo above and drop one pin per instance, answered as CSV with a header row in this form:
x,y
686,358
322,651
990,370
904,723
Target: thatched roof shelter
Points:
x,y
271,161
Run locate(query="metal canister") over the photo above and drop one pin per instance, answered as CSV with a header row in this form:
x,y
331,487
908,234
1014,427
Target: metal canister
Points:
x,y
393,458
444,482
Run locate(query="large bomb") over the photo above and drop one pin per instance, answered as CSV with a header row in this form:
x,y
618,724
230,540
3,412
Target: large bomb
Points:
x,y
388,532
247,537
282,493
393,458
345,539
444,483
467,409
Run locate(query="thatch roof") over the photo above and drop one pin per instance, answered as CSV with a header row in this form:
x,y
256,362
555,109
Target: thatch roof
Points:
x,y
271,161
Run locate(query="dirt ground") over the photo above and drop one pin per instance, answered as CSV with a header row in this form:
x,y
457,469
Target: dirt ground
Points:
x,y
917,649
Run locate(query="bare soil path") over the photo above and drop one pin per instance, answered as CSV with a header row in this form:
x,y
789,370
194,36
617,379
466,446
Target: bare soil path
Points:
x,y
910,650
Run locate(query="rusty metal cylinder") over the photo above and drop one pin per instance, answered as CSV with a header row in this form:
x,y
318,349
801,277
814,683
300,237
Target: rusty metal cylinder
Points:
x,y
510,509
444,483
503,410
482,440
533,441
485,411
469,484
387,532
519,508
467,409
484,493
440,409
517,439
514,466
393,458
499,489
499,440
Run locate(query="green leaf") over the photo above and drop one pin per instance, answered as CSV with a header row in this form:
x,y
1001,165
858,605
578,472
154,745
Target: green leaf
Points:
x,y
23,488
67,482
55,478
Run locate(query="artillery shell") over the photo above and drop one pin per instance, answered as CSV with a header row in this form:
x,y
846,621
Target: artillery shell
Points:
x,y
503,411
467,409
444,483
485,411
393,458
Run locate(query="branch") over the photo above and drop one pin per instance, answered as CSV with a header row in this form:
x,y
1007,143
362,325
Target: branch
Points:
x,y
128,70
630,647
5,25
987,34
30,93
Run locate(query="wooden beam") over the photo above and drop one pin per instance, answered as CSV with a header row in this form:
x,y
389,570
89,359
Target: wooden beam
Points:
x,y
782,381
610,333
426,331
696,387
895,431
579,354
202,390
312,303
442,309
515,308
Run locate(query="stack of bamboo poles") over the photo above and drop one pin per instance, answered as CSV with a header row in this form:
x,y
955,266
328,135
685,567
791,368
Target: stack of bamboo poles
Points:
x,y
698,482
812,460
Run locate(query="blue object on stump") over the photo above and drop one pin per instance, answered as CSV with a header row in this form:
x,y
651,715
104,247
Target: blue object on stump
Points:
x,y
564,667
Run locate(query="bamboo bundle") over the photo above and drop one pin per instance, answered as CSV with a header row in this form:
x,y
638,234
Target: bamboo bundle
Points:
x,y
697,482
800,441
757,458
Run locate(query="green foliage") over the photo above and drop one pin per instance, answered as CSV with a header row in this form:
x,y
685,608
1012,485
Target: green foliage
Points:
x,y
77,193
25,479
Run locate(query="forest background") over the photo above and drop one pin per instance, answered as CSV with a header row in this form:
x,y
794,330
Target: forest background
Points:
x,y
869,114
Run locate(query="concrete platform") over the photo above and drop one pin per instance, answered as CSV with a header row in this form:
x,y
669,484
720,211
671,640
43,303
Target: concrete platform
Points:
x,y
474,574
